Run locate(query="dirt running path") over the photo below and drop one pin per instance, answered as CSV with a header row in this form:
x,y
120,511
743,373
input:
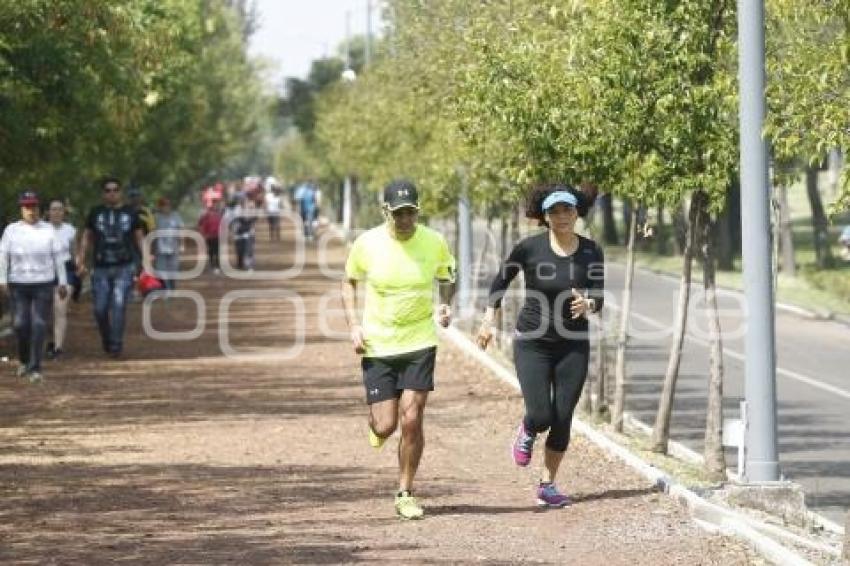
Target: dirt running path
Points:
x,y
179,455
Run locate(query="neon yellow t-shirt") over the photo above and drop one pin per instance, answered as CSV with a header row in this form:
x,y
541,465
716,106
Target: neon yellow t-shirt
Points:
x,y
399,277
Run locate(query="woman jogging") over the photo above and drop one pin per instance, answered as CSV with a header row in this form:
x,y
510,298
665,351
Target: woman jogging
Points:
x,y
564,281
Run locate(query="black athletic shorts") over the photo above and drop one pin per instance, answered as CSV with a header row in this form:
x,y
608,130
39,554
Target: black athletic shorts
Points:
x,y
385,378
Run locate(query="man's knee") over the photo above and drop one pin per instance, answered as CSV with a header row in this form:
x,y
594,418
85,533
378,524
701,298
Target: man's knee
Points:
x,y
384,425
411,421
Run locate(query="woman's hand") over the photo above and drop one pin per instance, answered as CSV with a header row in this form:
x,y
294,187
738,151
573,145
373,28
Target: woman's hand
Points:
x,y
485,331
580,306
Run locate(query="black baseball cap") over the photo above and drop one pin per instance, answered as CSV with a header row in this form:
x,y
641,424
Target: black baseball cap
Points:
x,y
401,193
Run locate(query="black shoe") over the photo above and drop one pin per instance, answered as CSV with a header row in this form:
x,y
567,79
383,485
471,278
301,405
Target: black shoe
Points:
x,y
50,354
58,353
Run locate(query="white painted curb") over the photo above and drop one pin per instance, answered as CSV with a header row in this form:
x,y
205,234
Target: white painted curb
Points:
x,y
703,512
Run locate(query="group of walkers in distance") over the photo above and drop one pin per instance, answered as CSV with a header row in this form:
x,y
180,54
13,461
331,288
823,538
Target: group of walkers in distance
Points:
x,y
43,262
399,262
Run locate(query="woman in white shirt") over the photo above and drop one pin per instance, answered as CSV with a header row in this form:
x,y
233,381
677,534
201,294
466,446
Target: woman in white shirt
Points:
x,y
66,234
273,207
30,266
169,243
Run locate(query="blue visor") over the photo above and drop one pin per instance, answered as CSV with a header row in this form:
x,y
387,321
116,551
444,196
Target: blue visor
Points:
x,y
559,196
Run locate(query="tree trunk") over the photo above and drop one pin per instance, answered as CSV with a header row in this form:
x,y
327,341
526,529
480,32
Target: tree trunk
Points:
x,y
729,228
622,335
599,404
715,463
680,229
661,431
835,163
510,305
609,225
724,232
628,217
660,233
503,254
786,234
820,235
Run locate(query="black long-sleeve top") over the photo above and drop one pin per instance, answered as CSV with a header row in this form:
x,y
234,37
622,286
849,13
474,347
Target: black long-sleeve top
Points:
x,y
549,280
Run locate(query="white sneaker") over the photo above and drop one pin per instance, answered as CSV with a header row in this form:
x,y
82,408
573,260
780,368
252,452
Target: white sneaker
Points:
x,y
216,271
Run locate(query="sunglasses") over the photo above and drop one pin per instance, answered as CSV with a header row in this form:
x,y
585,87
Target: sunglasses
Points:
x,y
405,211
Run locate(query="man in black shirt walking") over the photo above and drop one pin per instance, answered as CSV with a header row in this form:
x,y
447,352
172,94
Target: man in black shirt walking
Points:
x,y
114,232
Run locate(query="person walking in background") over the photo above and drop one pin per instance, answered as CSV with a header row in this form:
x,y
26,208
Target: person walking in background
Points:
x,y
209,225
168,243
273,207
31,265
116,235
305,198
564,281
241,219
398,262
66,234
136,202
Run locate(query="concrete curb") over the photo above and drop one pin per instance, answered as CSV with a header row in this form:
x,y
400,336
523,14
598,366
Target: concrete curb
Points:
x,y
704,513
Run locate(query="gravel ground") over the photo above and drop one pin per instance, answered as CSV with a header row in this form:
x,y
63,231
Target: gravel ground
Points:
x,y
177,454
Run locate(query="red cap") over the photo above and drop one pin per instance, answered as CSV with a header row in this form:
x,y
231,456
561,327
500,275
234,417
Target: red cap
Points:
x,y
28,198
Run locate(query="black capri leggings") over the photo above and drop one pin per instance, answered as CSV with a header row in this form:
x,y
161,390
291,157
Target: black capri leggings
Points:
x,y
551,375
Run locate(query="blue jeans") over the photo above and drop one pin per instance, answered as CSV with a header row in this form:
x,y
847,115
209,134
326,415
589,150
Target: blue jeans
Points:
x,y
31,305
110,287
308,215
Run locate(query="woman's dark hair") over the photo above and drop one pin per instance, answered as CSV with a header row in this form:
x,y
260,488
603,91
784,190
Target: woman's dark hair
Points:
x,y
55,199
585,195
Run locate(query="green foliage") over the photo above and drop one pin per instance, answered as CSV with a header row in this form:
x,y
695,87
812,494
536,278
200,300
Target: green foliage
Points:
x,y
809,74
156,91
635,96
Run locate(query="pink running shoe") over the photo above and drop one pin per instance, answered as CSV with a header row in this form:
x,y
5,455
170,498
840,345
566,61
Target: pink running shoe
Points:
x,y
523,445
549,496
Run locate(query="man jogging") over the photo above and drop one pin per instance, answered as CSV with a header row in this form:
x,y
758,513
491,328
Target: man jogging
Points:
x,y
31,265
398,263
115,232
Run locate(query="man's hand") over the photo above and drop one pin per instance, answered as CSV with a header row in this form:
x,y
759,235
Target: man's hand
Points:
x,y
63,292
358,338
444,315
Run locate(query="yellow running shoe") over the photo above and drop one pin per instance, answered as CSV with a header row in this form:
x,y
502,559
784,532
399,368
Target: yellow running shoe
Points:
x,y
407,507
375,441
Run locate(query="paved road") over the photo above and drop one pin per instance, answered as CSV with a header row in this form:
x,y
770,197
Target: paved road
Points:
x,y
813,388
